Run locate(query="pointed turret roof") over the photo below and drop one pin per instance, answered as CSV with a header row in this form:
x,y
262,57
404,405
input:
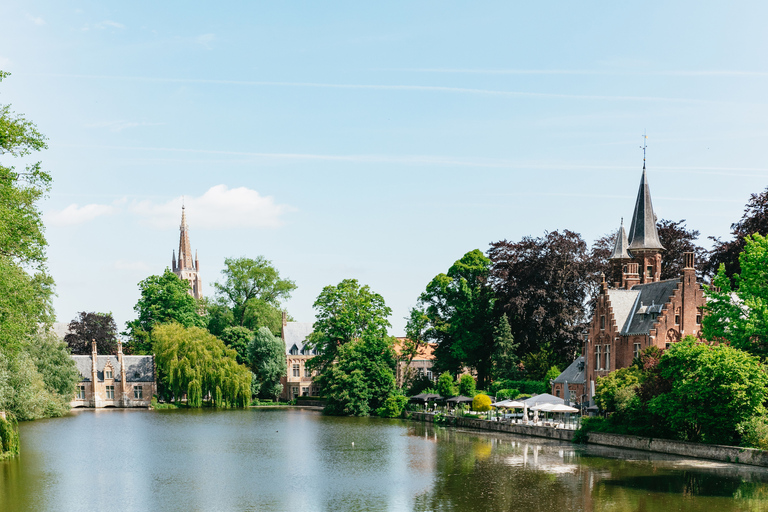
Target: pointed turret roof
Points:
x,y
185,249
642,231
621,246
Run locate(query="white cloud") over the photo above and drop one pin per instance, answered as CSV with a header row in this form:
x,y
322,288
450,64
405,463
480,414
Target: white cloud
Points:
x,y
108,24
74,214
219,208
206,40
36,20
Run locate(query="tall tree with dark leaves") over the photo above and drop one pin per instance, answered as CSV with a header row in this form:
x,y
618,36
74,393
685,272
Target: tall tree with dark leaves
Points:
x,y
677,240
459,309
89,327
754,220
543,284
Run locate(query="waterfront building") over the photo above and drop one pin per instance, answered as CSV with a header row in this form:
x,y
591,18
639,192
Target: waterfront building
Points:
x,y
574,377
420,365
638,309
298,381
114,381
184,267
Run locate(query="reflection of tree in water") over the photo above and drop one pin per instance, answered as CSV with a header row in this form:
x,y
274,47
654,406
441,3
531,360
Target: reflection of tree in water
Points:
x,y
487,472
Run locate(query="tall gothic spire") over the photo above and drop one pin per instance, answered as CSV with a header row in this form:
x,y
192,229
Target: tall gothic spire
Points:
x,y
621,245
643,234
185,250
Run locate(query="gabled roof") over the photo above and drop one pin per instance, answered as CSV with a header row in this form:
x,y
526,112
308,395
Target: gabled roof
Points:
x,y
648,305
621,245
295,333
642,232
622,303
574,374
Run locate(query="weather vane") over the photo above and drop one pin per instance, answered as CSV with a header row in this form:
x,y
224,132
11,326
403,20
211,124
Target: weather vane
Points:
x,y
644,146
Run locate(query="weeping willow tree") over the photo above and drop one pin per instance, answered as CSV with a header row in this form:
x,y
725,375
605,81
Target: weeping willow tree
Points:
x,y
194,363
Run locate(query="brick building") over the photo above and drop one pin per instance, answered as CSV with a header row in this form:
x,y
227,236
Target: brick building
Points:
x,y
184,267
638,309
420,365
114,381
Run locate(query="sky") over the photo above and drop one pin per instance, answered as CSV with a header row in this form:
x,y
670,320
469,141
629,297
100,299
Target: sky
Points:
x,y
375,141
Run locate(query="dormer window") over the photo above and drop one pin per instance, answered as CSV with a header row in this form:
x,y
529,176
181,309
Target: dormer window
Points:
x,y
294,350
108,373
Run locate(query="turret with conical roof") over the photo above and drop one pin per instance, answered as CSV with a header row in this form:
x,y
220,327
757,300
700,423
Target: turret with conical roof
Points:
x,y
643,234
621,246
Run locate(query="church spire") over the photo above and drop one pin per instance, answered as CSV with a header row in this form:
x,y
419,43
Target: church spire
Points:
x,y
621,245
185,249
643,234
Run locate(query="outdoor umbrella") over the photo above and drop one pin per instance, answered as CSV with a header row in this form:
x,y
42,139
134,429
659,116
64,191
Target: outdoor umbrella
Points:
x,y
566,394
562,408
425,397
459,400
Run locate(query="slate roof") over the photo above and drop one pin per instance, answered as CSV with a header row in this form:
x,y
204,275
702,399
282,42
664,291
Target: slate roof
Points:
x,y
621,245
648,305
295,334
622,303
574,374
642,231
137,368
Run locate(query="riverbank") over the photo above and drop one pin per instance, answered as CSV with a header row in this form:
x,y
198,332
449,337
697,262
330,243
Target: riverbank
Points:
x,y
749,456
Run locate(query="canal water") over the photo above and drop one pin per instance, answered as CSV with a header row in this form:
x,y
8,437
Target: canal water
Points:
x,y
299,460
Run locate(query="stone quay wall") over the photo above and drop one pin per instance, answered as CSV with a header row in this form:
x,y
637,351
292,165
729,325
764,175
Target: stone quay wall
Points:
x,y
720,453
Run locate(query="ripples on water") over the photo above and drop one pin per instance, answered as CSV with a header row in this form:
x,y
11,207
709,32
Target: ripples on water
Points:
x,y
299,460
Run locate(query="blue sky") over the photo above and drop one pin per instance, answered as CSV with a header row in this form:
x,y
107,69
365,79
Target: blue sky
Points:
x,y
378,142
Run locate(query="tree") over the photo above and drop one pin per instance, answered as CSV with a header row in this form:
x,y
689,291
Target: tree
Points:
x,y
253,292
164,299
345,313
741,317
356,360
266,354
543,284
238,338
362,378
457,308
714,389
754,220
505,360
677,240
481,403
87,327
194,363
446,385
467,385
409,348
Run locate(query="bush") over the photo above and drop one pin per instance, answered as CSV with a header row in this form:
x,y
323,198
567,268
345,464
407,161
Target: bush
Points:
x,y
754,433
504,394
481,403
525,386
467,386
593,424
393,407
9,437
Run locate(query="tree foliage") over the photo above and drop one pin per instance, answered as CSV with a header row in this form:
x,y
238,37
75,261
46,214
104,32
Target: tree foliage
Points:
x,y
446,385
266,353
164,299
467,385
87,327
542,284
456,311
726,253
740,317
677,240
194,363
237,338
481,403
506,363
250,295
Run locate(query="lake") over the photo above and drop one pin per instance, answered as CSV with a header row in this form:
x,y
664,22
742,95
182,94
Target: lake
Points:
x,y
292,459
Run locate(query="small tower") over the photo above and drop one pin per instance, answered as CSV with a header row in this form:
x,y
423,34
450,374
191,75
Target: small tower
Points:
x,y
644,244
619,257
184,267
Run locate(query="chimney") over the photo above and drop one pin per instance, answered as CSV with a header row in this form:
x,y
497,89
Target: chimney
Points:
x,y
631,276
285,318
93,347
688,261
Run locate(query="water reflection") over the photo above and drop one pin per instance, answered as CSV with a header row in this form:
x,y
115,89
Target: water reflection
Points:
x,y
280,459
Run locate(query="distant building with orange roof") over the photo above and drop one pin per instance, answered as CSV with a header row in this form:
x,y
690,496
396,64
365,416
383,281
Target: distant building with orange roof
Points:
x,y
421,364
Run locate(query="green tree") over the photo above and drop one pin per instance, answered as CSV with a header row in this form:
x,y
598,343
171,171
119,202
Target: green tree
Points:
x,y
87,327
611,388
345,313
252,291
237,338
467,385
459,308
193,362
714,389
164,299
266,353
740,317
446,385
481,403
505,360
553,373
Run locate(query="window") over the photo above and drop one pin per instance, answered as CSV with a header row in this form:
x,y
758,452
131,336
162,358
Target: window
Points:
x,y
572,398
138,393
602,322
597,358
110,392
81,392
305,391
698,316
649,271
295,370
307,372
294,350
607,357
429,375
636,352
667,345
677,318
295,391
108,373
557,393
